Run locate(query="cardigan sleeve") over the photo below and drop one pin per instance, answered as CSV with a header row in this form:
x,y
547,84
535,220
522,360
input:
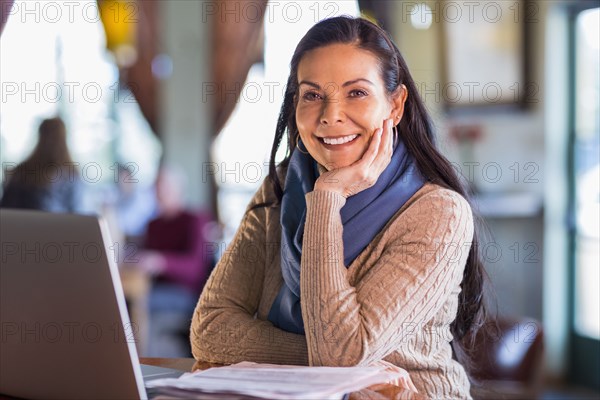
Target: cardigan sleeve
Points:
x,y
224,328
419,268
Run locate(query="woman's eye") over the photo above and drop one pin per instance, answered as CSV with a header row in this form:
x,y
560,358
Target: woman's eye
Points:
x,y
311,96
358,93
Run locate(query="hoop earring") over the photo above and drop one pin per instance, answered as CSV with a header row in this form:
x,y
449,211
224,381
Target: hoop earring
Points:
x,y
395,136
298,147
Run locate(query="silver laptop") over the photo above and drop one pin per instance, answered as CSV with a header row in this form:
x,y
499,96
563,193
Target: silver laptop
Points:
x,y
65,332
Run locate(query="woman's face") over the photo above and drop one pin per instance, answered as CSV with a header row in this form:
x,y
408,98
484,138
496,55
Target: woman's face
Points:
x,y
342,98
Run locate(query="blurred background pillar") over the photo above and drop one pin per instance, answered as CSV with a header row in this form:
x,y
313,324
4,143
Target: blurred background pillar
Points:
x,y
185,116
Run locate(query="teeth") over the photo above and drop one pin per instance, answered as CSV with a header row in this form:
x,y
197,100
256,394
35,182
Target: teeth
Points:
x,y
341,140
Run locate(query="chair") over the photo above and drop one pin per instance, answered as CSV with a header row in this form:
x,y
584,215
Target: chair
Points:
x,y
508,362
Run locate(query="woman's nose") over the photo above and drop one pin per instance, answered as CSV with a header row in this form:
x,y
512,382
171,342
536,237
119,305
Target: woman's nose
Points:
x,y
332,112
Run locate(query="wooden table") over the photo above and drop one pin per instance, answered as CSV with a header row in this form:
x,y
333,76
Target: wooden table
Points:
x,y
378,392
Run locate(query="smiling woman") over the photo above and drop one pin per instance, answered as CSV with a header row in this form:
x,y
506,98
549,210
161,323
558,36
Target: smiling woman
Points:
x,y
368,251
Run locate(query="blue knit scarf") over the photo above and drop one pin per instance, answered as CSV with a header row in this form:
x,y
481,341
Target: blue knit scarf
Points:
x,y
363,217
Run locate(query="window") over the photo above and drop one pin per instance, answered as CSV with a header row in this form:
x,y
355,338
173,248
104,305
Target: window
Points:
x,y
587,173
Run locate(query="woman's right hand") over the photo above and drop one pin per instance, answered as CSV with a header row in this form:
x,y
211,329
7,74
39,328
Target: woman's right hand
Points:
x,y
362,174
400,376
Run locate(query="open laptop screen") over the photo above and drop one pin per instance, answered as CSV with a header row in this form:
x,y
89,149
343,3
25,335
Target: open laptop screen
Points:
x,y
65,332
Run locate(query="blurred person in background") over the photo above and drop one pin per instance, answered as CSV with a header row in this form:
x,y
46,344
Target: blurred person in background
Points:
x,y
135,205
48,179
178,255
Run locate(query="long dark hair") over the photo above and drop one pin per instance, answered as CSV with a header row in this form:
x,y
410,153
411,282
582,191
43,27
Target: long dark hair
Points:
x,y
416,131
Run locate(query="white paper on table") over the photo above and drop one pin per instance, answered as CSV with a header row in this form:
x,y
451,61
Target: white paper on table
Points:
x,y
280,381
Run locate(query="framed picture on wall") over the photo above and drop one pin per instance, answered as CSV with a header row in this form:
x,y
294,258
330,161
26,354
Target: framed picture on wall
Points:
x,y
485,53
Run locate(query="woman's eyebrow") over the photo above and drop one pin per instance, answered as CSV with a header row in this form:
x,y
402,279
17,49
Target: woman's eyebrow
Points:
x,y
358,80
309,83
316,85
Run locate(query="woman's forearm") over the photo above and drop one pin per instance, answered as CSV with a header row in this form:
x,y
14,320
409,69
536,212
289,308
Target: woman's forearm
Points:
x,y
229,335
224,328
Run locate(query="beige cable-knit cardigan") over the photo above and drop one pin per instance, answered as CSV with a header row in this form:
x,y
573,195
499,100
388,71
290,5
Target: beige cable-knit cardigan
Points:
x,y
394,302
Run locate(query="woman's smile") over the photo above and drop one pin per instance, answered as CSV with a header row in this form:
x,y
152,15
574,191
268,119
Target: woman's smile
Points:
x,y
338,142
